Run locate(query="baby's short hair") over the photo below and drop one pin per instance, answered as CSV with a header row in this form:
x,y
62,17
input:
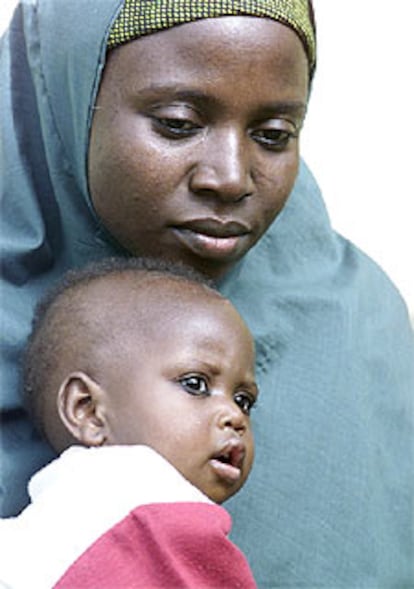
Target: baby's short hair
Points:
x,y
58,316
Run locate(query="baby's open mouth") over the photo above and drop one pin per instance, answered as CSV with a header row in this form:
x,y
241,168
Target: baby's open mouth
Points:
x,y
228,462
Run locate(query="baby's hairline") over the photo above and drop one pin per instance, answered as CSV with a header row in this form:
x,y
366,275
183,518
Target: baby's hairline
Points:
x,y
53,332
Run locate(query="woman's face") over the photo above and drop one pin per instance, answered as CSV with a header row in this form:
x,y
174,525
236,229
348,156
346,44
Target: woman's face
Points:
x,y
194,142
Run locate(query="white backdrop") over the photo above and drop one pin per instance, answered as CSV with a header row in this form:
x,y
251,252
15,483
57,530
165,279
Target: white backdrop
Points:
x,y
359,134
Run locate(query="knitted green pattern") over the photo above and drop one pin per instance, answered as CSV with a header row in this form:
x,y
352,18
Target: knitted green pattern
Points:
x,y
143,17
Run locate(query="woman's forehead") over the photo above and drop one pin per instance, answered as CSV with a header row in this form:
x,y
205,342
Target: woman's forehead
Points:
x,y
138,18
199,57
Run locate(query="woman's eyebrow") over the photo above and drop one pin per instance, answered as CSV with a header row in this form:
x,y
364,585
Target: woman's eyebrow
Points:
x,y
165,93
173,92
295,108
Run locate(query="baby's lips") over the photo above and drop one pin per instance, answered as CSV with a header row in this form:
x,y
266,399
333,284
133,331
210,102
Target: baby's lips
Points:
x,y
232,452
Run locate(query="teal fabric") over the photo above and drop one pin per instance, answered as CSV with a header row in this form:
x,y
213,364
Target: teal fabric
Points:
x,y
329,502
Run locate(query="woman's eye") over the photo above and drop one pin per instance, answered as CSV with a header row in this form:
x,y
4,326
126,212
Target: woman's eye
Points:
x,y
273,139
176,127
194,384
245,402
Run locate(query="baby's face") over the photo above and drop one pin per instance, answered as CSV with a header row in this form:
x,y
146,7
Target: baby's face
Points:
x,y
186,388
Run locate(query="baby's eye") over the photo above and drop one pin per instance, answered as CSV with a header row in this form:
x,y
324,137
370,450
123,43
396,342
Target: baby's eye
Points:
x,y
194,384
245,401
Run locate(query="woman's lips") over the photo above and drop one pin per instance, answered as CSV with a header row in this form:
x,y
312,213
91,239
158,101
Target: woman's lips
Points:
x,y
212,238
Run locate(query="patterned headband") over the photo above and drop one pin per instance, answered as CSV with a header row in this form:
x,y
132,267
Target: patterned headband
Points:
x,y
143,17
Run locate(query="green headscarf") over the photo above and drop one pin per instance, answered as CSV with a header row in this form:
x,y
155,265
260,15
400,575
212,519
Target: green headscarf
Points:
x,y
143,17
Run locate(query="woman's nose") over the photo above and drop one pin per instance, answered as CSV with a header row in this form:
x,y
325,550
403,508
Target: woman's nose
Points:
x,y
223,168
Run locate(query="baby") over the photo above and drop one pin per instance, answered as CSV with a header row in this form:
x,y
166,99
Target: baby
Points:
x,y
141,376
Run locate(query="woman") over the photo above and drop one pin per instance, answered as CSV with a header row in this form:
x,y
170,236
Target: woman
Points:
x,y
187,147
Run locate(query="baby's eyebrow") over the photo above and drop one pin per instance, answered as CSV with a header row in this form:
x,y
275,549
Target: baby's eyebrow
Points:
x,y
254,387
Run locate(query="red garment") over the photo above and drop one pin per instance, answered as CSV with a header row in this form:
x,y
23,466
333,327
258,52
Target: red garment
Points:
x,y
164,546
118,517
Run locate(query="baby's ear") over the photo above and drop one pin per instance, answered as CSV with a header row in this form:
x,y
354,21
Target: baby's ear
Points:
x,y
80,404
